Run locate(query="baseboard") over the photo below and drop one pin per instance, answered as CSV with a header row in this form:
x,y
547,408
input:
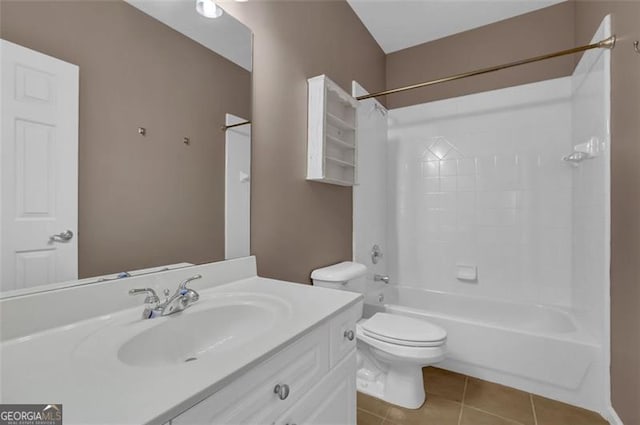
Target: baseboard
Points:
x,y
612,416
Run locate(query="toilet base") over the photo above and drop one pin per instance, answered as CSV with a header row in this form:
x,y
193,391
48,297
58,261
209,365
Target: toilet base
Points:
x,y
374,389
393,372
409,396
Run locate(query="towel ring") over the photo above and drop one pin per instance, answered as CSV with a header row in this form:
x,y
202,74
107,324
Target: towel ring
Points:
x,y
635,46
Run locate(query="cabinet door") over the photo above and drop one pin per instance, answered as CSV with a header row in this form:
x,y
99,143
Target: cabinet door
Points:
x,y
331,402
342,333
250,399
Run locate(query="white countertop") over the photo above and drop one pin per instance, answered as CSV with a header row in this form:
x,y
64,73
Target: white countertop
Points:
x,y
64,365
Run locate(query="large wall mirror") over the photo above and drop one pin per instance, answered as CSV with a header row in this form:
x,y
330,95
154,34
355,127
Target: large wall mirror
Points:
x,y
114,159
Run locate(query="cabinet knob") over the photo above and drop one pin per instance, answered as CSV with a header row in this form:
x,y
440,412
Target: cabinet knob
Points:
x,y
282,390
349,335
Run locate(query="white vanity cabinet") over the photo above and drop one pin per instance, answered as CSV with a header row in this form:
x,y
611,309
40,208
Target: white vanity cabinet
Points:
x,y
310,381
253,351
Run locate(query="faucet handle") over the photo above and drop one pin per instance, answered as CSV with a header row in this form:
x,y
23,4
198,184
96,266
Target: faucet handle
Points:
x,y
191,296
183,285
152,297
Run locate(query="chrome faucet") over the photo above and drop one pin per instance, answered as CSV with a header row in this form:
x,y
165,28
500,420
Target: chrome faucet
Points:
x,y
181,299
151,301
381,278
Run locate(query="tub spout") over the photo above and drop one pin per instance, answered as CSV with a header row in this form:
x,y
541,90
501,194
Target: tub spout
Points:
x,y
381,278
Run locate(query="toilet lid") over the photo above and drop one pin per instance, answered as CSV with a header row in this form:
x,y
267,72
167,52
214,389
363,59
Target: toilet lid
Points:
x,y
403,330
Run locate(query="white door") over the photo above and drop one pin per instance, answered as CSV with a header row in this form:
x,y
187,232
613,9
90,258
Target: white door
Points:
x,y
237,189
38,168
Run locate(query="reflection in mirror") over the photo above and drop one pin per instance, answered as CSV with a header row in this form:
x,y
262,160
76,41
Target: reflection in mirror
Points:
x,y
113,153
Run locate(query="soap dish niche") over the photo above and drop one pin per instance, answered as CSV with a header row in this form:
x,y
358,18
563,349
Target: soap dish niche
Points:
x,y
467,273
583,151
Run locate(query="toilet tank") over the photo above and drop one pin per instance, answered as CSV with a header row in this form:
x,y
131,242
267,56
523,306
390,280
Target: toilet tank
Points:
x,y
338,275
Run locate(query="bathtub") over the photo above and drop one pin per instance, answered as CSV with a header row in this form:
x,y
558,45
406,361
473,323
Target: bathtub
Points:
x,y
535,348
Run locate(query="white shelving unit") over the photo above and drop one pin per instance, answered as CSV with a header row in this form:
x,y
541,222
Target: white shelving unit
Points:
x,y
332,148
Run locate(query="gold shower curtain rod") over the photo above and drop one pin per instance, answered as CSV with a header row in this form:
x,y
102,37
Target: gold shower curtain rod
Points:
x,y
608,43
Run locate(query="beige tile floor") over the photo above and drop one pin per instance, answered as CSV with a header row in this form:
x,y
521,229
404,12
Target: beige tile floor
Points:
x,y
454,399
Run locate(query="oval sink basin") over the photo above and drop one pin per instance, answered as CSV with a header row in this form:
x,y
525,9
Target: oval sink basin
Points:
x,y
196,332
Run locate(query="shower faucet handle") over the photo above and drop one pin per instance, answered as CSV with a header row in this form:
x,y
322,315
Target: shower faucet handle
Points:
x,y
376,254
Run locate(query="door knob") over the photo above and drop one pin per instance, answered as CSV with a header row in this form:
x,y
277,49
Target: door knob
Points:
x,y
62,236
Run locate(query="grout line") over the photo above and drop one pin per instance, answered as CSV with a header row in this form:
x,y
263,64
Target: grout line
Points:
x,y
464,394
533,408
386,415
371,413
511,420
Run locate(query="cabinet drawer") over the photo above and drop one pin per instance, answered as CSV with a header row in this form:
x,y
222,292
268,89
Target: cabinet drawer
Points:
x,y
343,333
251,399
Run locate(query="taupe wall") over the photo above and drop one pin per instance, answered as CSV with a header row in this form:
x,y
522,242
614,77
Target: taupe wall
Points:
x,y
625,198
536,33
142,201
298,225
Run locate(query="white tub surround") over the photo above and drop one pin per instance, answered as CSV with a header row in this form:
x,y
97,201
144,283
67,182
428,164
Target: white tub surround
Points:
x,y
84,357
484,212
478,181
369,195
591,199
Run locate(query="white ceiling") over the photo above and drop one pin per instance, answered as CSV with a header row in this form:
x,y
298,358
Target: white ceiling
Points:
x,y
224,35
398,24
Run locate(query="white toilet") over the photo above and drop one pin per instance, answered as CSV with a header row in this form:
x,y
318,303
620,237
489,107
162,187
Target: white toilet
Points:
x,y
392,349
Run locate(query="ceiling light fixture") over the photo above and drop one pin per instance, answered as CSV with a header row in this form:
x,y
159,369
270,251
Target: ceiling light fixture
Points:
x,y
208,8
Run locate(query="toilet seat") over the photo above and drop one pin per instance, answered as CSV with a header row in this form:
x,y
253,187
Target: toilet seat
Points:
x,y
431,354
402,330
403,342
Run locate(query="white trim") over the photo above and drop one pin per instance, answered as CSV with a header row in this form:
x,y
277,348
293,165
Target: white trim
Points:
x,y
612,416
606,27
